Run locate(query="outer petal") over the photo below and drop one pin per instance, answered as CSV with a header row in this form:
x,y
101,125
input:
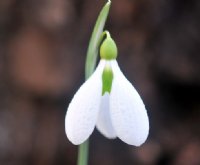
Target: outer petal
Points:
x,y
128,113
83,110
104,124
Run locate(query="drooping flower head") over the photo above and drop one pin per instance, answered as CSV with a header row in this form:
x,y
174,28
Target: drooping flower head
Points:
x,y
108,101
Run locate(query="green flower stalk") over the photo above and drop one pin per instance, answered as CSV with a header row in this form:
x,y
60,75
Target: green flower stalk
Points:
x,y
91,58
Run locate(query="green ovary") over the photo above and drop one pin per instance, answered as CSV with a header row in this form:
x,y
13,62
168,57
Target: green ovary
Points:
x,y
108,49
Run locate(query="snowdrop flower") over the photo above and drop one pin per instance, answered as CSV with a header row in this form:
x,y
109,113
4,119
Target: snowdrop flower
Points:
x,y
108,101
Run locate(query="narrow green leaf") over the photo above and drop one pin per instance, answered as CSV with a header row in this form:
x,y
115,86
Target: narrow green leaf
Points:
x,y
92,51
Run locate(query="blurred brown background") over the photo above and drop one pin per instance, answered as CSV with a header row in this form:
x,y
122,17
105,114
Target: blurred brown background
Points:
x,y
43,45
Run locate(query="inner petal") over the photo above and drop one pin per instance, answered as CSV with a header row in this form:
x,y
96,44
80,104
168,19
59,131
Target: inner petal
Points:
x,y
104,123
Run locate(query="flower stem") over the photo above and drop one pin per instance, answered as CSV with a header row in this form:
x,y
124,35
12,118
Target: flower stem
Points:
x,y
91,59
83,153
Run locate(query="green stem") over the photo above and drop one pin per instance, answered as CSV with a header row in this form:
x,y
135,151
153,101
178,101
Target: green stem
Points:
x,y
103,34
83,153
91,58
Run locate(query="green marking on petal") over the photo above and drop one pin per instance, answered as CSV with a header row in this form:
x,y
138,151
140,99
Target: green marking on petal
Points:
x,y
107,78
108,49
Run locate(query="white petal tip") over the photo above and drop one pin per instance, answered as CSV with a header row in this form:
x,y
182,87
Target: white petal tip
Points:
x,y
137,138
108,135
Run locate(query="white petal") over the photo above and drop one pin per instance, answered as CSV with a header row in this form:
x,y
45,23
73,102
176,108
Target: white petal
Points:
x,y
104,124
128,113
83,110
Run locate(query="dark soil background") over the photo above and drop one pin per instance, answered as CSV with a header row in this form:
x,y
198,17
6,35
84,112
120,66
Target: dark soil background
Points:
x,y
43,45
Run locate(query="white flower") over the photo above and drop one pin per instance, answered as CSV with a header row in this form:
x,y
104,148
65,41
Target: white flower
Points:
x,y
118,113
